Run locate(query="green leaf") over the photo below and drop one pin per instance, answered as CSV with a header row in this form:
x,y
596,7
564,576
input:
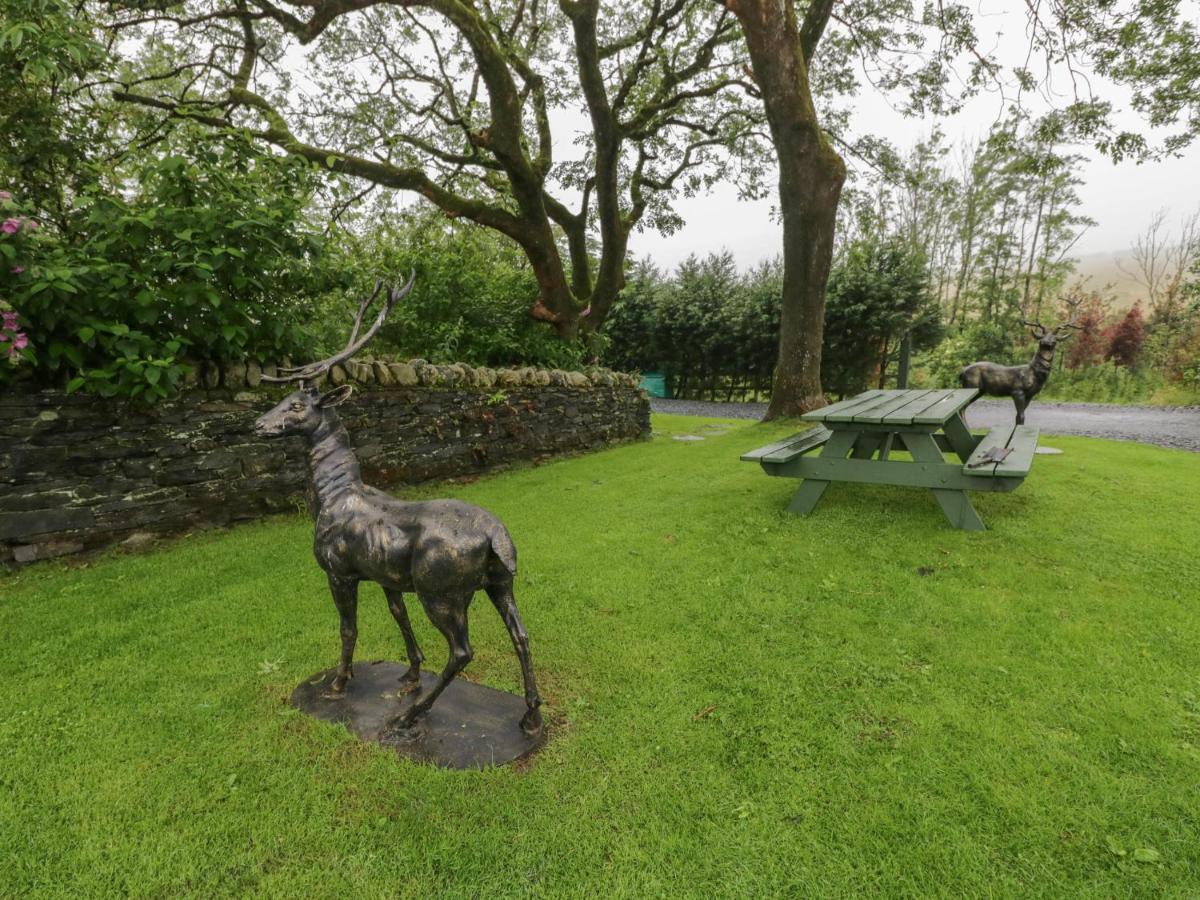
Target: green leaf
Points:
x,y
1113,847
1146,855
75,384
153,374
86,333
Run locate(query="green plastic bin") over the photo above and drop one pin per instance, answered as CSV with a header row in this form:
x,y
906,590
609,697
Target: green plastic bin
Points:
x,y
654,383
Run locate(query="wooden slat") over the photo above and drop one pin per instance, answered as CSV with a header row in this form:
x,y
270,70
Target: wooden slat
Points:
x,y
877,415
997,437
806,440
946,407
819,415
882,398
1018,463
812,440
904,415
1022,440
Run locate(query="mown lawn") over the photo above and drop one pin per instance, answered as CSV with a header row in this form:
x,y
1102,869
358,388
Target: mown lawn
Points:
x,y
742,702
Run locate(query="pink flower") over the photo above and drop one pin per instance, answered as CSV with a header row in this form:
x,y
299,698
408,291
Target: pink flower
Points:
x,y
11,226
30,224
5,196
10,320
17,270
21,341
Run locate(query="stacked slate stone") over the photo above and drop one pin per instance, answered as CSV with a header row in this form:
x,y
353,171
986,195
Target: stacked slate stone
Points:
x,y
79,473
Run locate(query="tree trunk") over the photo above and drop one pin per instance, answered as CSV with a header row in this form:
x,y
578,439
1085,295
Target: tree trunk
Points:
x,y
810,184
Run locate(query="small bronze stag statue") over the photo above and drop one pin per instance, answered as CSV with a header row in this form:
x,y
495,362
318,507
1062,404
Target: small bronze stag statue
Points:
x,y
443,550
1022,383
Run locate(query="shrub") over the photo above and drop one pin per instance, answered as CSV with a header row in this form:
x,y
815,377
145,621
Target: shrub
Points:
x,y
977,341
878,291
205,258
471,301
1126,339
1106,382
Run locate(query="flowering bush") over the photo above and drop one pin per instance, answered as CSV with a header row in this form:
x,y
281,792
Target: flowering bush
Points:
x,y
14,343
206,256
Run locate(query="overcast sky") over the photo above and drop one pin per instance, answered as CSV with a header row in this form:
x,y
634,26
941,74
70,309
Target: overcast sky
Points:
x,y
1120,198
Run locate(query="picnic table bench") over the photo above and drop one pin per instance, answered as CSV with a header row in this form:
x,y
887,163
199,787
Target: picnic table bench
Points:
x,y
857,437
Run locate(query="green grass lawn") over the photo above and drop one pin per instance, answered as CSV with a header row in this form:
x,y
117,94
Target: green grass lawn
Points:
x,y
741,702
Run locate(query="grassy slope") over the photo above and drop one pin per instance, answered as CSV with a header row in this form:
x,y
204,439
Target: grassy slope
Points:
x,y
991,726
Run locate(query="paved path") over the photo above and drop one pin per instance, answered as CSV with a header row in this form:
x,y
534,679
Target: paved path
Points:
x,y
1166,426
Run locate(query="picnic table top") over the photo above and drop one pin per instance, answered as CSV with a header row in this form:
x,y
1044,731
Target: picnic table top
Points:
x,y
892,407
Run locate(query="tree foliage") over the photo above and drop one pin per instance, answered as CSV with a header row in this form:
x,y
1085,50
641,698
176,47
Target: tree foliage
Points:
x,y
710,329
473,289
807,56
203,256
458,102
1127,337
878,292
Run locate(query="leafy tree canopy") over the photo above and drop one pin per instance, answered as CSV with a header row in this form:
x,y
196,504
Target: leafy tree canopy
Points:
x,y
467,104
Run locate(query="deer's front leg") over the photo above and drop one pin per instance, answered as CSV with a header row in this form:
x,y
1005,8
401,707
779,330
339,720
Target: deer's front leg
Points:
x,y
1020,402
345,598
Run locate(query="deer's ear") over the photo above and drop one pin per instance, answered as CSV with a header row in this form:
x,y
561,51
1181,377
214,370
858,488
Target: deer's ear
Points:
x,y
336,397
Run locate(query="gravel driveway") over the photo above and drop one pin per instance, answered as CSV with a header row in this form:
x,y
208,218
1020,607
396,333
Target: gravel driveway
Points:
x,y
1165,426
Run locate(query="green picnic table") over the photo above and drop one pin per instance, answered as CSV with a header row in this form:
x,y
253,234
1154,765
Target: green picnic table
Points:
x,y
857,438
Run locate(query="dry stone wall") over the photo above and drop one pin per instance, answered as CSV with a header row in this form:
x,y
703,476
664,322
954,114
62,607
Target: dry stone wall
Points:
x,y
79,473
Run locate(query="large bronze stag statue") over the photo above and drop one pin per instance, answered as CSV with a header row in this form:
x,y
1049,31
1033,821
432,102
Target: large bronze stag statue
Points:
x,y
1022,383
443,550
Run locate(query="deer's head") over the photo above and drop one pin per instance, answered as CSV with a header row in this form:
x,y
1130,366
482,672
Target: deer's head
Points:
x,y
300,412
303,410
1048,340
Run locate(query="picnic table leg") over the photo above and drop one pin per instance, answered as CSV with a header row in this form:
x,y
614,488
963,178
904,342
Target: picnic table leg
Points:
x,y
806,498
954,503
865,445
960,436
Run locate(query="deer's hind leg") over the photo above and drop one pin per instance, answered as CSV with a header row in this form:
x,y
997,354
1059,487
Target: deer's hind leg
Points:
x,y
450,618
345,598
411,679
506,604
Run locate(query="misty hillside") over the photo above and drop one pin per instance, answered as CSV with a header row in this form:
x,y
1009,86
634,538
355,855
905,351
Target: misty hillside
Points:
x,y
1109,273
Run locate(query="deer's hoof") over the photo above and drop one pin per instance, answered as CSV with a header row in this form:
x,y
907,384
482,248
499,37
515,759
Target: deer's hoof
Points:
x,y
531,723
409,682
400,733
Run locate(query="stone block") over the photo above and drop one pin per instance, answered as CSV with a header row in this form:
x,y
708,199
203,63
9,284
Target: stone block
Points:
x,y
28,553
30,523
383,374
404,374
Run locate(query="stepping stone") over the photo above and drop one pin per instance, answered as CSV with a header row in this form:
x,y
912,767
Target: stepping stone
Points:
x,y
1048,451
688,437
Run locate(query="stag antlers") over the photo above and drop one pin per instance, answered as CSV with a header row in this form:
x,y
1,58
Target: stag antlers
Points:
x,y
314,370
1060,331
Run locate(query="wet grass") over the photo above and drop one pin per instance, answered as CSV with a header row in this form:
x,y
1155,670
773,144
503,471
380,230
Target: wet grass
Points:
x,y
742,702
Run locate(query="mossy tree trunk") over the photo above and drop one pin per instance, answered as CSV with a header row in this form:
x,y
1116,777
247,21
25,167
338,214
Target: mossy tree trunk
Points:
x,y
811,175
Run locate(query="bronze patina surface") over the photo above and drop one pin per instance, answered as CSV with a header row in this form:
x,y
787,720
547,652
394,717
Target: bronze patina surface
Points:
x,y
444,551
1022,383
471,727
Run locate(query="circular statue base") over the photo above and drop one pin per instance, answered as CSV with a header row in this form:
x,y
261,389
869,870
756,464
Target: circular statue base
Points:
x,y
469,727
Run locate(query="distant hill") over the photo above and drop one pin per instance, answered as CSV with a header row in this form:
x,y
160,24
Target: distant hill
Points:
x,y
1108,273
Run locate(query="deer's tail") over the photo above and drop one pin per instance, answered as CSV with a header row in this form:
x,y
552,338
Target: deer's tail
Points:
x,y
504,549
